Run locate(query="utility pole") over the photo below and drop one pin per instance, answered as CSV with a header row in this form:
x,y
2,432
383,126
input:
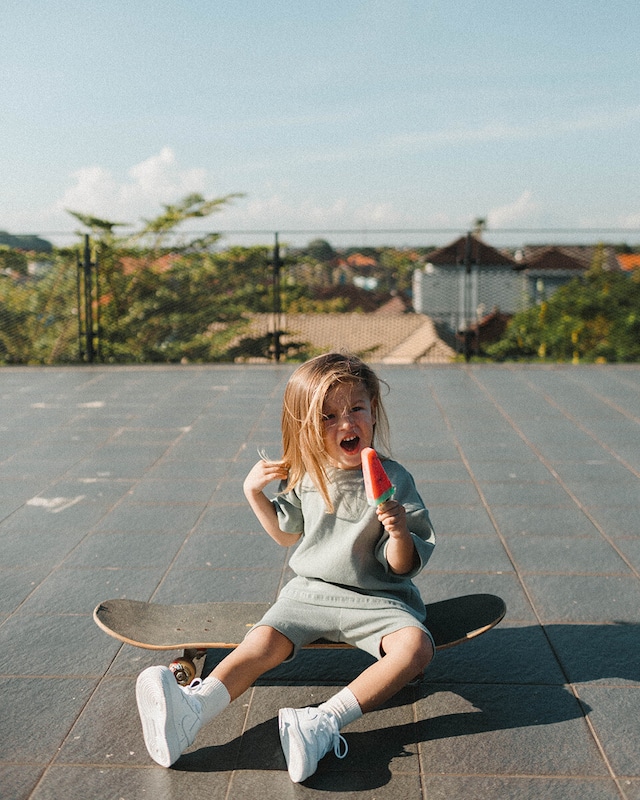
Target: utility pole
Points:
x,y
276,299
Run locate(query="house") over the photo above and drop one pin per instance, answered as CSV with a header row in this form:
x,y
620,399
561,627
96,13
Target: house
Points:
x,y
464,281
467,280
546,268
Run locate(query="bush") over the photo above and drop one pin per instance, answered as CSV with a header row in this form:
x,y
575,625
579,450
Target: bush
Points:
x,y
594,319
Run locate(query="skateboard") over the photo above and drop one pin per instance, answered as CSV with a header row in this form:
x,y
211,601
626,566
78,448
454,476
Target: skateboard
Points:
x,y
199,627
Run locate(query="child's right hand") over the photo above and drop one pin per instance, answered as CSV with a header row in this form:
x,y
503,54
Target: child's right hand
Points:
x,y
262,474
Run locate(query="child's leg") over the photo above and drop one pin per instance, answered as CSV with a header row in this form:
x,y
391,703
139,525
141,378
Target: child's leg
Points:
x,y
406,654
308,734
263,649
172,715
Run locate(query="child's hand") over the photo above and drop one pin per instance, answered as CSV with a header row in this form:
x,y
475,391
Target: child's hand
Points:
x,y
402,556
262,474
393,517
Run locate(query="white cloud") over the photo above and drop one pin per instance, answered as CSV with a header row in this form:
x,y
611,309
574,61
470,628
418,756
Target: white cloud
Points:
x,y
522,211
274,212
153,182
630,221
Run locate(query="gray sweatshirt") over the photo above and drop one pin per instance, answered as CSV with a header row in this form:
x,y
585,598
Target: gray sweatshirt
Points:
x,y
341,558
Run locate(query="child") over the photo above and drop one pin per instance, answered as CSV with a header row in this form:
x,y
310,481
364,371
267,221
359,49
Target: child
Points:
x,y
353,566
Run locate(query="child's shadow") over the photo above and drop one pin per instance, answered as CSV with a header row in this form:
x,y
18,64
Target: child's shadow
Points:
x,y
505,701
371,753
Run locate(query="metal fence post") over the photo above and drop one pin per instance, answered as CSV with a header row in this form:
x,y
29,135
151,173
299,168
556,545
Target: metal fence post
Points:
x,y
88,298
468,298
276,298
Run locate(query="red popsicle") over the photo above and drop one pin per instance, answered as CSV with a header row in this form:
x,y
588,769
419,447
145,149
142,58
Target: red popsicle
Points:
x,y
377,485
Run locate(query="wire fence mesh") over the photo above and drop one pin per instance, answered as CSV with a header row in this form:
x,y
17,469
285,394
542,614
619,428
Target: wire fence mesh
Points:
x,y
92,302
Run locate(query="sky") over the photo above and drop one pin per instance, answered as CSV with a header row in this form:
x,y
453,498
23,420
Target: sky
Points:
x,y
326,116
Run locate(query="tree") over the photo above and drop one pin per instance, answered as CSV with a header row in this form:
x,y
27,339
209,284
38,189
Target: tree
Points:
x,y
596,318
399,266
161,290
12,261
39,323
321,251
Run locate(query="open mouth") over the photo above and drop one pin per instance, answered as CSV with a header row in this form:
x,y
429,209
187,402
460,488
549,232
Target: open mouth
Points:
x,y
350,445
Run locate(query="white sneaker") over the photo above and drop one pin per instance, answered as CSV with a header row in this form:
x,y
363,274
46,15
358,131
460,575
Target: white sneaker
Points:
x,y
306,735
171,714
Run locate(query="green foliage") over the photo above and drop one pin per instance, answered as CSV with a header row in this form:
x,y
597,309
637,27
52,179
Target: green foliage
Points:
x,y
168,297
188,311
594,319
12,260
193,206
399,266
321,251
38,327
159,299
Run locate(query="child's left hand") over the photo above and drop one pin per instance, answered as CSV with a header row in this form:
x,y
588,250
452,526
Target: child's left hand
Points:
x,y
393,517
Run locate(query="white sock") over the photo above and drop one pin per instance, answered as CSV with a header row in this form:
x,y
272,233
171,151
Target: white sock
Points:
x,y
343,706
214,697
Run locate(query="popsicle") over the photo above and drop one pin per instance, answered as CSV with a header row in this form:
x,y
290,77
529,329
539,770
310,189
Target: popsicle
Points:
x,y
377,485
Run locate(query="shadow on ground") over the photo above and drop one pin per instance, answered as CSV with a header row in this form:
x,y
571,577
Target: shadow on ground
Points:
x,y
582,653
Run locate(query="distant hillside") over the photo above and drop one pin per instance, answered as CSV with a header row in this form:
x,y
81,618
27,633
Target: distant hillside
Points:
x,y
29,242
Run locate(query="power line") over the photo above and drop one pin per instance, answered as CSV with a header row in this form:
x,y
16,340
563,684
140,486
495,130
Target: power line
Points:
x,y
369,231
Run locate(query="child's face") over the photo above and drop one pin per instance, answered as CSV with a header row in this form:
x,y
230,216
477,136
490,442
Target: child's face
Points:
x,y
349,418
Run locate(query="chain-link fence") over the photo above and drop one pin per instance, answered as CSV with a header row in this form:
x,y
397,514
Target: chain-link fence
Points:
x,y
100,302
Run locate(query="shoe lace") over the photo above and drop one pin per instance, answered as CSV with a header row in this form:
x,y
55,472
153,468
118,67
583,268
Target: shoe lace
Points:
x,y
329,724
193,697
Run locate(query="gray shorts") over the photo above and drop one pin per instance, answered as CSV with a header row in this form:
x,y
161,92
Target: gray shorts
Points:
x,y
364,628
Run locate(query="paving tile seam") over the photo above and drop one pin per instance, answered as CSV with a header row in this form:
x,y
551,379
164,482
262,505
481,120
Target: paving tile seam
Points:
x,y
227,570
583,507
581,426
445,681
521,577
183,546
287,683
138,504
92,529
485,572
536,776
522,506
218,484
150,531
577,573
101,765
594,733
564,622
607,400
450,426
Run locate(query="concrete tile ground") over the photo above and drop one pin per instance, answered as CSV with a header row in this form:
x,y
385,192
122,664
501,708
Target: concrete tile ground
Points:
x,y
122,482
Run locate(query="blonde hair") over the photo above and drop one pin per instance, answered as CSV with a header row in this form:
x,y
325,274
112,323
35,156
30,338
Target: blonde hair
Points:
x,y
302,423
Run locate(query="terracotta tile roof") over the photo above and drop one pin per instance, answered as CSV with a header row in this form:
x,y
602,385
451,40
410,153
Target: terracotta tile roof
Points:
x,y
629,261
360,260
163,263
396,305
391,339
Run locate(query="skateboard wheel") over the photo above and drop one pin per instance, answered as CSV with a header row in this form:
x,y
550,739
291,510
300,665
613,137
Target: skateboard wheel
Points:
x,y
184,670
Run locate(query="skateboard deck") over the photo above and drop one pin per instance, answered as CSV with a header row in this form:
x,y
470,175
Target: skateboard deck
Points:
x,y
198,627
